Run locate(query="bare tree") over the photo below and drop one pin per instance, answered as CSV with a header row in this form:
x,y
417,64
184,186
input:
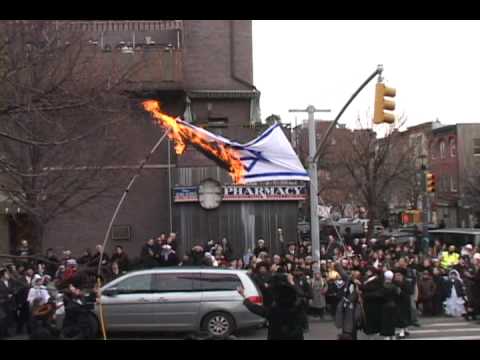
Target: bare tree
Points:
x,y
61,115
376,166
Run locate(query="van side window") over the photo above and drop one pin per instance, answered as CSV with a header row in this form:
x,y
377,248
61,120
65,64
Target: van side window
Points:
x,y
173,282
136,284
220,282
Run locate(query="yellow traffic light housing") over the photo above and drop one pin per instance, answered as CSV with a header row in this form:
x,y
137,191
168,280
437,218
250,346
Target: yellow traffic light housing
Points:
x,y
382,104
430,182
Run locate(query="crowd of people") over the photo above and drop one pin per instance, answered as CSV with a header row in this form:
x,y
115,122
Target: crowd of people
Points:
x,y
377,286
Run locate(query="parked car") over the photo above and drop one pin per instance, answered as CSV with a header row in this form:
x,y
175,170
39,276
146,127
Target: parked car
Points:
x,y
178,300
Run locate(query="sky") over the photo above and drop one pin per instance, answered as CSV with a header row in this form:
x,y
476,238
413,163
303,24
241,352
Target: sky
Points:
x,y
433,65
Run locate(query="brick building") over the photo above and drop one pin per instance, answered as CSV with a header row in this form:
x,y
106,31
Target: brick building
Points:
x,y
201,70
454,157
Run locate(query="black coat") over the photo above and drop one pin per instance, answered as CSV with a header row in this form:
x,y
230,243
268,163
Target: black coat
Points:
x,y
283,323
476,291
389,292
147,256
304,289
258,250
264,283
7,296
403,304
96,259
198,259
372,305
171,260
122,261
459,288
78,318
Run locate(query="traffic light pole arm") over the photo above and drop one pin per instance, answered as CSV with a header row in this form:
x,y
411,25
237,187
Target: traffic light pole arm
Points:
x,y
334,123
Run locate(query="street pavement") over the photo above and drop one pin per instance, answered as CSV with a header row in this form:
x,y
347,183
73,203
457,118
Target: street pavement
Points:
x,y
438,328
445,328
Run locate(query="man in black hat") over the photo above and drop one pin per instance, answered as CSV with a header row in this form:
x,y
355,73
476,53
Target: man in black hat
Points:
x,y
284,316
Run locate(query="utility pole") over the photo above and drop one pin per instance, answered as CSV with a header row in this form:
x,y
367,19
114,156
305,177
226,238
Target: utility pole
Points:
x,y
312,170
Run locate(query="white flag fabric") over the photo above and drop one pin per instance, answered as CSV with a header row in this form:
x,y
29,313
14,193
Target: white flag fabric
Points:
x,y
269,157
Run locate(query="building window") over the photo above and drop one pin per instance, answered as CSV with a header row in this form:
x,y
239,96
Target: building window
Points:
x,y
476,147
453,148
453,184
433,153
442,184
442,149
416,144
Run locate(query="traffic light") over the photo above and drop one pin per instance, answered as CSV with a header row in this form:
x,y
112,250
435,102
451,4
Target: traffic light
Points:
x,y
430,182
382,104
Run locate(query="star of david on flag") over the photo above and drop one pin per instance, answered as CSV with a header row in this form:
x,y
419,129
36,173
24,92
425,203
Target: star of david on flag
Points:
x,y
269,157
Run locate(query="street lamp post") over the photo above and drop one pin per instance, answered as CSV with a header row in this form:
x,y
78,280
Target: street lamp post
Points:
x,y
312,170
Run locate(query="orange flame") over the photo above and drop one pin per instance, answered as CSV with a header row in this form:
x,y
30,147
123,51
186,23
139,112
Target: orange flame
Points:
x,y
182,135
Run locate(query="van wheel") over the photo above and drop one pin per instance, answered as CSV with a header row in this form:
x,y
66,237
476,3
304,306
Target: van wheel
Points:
x,y
218,325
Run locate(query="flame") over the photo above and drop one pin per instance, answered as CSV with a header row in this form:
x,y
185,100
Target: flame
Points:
x,y
182,135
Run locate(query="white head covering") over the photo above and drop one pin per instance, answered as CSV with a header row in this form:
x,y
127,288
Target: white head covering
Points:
x,y
36,278
388,275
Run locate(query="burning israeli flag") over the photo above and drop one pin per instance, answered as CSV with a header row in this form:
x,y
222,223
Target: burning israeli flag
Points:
x,y
269,157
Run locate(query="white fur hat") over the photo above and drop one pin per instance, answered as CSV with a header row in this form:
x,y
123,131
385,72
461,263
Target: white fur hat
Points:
x,y
388,275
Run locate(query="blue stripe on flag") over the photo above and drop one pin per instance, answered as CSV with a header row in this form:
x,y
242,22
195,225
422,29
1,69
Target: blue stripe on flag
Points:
x,y
277,174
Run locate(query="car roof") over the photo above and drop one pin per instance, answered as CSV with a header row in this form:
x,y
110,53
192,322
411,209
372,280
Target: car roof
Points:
x,y
464,231
180,269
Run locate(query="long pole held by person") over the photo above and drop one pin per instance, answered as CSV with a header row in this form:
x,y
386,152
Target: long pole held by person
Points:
x,y
312,170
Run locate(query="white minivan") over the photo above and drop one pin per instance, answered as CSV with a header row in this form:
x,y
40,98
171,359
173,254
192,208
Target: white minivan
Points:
x,y
179,299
